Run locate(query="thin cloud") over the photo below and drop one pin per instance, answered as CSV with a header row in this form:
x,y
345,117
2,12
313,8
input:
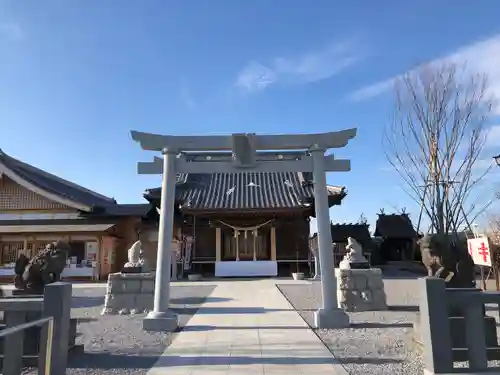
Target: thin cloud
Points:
x,y
255,77
371,91
493,139
12,30
307,68
481,57
187,96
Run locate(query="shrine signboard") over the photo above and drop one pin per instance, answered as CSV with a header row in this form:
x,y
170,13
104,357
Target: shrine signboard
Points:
x,y
479,250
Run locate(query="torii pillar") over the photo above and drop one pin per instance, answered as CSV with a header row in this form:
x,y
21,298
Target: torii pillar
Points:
x,y
161,318
329,315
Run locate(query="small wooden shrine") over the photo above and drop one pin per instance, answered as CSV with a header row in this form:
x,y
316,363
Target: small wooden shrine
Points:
x,y
398,237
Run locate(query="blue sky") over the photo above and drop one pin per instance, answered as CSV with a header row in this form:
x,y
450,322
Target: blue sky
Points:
x,y
76,76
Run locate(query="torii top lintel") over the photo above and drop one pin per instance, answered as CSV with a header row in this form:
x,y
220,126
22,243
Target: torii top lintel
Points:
x,y
157,142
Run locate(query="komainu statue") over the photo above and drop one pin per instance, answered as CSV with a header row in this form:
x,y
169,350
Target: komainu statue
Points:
x,y
447,257
354,258
44,268
134,264
138,259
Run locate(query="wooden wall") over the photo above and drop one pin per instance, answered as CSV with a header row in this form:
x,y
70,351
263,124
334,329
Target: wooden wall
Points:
x,y
205,244
292,237
17,197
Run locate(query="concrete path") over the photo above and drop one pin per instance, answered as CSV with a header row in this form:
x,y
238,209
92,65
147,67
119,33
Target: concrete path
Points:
x,y
246,327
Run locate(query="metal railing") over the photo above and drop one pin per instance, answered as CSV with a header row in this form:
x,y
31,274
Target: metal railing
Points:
x,y
435,326
14,339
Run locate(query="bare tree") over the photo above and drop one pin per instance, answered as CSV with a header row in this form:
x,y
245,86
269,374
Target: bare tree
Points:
x,y
435,141
362,219
493,229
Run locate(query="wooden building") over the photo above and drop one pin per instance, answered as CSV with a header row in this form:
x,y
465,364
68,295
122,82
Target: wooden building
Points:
x,y
246,224
37,208
398,237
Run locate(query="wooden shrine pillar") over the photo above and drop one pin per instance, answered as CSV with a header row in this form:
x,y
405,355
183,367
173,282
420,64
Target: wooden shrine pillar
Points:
x,y
273,243
218,244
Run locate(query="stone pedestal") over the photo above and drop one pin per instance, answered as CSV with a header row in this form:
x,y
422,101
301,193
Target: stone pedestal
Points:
x,y
360,289
458,339
167,321
129,293
331,319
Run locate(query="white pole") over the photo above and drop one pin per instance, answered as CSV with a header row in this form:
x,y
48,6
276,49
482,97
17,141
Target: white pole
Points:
x,y
161,318
329,316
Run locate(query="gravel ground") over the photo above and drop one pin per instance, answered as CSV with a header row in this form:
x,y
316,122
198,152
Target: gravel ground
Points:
x,y
377,342
117,344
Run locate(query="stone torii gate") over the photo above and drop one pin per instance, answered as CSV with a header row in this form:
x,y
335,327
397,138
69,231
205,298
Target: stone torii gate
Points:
x,y
238,153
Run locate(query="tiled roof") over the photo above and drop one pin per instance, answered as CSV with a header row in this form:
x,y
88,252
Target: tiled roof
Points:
x,y
81,221
53,184
65,189
250,190
360,232
395,226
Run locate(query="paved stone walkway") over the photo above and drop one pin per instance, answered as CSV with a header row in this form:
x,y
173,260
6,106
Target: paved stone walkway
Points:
x,y
246,327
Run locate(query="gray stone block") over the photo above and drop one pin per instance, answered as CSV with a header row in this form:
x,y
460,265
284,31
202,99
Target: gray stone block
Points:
x,y
132,286
161,322
129,293
137,276
148,286
366,296
120,301
360,289
113,276
115,287
379,300
345,282
360,282
331,319
375,282
342,272
144,302
341,296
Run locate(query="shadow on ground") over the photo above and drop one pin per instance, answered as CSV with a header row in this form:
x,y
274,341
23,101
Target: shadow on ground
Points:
x,y
411,308
201,328
102,360
86,319
196,300
110,361
381,325
223,310
79,302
